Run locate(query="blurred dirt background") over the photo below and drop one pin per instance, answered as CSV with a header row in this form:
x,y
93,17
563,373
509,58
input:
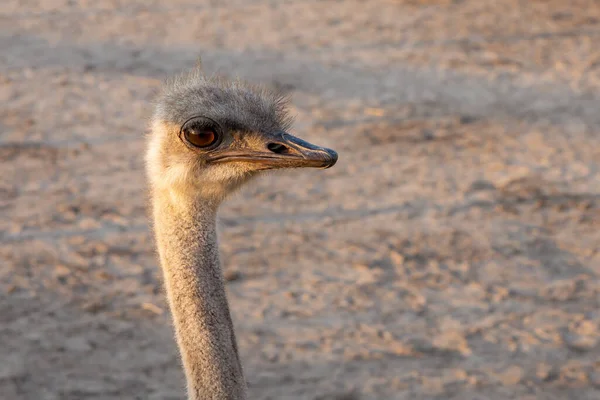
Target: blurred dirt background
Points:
x,y
452,253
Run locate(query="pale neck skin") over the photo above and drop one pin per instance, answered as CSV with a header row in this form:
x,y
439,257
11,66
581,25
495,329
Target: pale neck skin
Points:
x,y
185,229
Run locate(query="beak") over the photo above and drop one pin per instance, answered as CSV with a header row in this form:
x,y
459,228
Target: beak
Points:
x,y
282,150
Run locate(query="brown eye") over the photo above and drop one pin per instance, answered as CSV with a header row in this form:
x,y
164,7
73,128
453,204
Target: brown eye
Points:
x,y
201,132
200,137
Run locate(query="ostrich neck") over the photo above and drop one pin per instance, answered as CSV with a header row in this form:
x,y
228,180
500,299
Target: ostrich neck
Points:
x,y
187,244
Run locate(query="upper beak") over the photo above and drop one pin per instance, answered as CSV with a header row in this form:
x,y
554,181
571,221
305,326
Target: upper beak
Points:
x,y
282,150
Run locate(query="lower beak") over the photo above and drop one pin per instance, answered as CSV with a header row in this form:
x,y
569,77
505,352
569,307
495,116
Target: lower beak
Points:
x,y
283,150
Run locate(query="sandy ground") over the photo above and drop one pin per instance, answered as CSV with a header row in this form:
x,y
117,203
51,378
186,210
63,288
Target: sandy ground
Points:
x,y
452,253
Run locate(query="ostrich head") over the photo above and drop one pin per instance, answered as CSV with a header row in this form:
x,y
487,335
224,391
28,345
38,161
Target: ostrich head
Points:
x,y
209,136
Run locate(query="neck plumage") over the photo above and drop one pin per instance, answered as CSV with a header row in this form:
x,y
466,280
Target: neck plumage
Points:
x,y
187,244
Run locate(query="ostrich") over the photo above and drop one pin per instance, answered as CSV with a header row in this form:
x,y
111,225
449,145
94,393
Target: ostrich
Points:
x,y
208,137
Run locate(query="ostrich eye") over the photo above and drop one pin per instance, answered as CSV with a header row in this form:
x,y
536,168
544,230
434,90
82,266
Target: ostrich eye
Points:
x,y
200,136
201,132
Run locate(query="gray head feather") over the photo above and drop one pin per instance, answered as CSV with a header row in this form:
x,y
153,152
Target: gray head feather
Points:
x,y
237,103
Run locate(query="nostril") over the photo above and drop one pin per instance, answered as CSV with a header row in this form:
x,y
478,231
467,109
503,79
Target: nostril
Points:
x,y
278,148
